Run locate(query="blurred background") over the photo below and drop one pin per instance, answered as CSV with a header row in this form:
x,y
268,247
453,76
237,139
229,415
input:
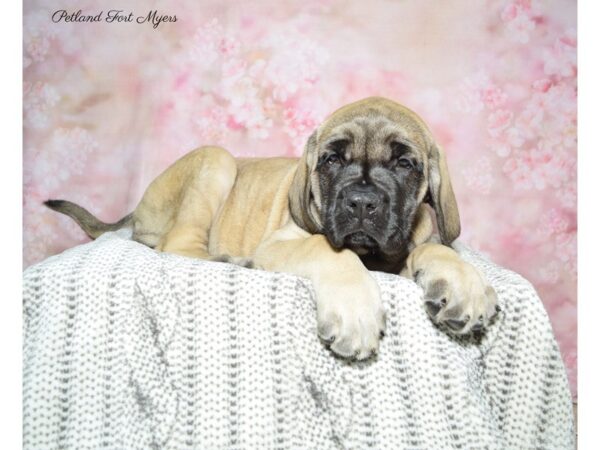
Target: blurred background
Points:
x,y
108,106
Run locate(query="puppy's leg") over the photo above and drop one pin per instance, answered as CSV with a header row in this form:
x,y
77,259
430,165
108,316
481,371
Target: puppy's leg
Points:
x,y
456,293
349,309
178,208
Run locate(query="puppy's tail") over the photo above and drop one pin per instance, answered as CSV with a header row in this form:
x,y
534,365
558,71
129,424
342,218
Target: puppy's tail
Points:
x,y
88,223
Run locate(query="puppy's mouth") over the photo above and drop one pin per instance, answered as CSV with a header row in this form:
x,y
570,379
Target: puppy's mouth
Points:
x,y
360,238
360,242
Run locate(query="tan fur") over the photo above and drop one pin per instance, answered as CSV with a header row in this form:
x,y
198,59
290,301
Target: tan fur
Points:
x,y
209,204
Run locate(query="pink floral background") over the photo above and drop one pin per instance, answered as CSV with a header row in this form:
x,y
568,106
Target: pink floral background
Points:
x,y
108,106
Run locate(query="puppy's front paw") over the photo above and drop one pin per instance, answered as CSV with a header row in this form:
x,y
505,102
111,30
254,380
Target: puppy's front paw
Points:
x,y
350,315
458,296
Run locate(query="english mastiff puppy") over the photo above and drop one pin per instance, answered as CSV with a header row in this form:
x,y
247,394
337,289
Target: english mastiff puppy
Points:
x,y
355,201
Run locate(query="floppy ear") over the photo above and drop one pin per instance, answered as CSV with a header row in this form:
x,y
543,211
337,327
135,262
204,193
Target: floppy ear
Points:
x,y
301,192
442,197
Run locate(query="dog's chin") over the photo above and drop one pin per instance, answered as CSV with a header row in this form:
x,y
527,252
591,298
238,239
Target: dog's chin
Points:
x,y
360,243
365,244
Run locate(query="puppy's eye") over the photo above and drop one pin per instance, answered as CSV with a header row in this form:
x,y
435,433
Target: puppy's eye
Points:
x,y
404,163
333,159
400,156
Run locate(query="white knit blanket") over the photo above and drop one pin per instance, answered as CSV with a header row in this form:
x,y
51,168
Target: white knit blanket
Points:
x,y
128,348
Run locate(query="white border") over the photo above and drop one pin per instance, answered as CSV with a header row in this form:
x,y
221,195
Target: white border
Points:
x,y
11,225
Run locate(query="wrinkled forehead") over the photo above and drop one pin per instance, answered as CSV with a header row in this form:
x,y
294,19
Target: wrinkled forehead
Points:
x,y
371,130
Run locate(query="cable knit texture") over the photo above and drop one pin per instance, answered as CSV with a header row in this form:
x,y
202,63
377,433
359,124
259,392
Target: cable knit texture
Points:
x,y
128,348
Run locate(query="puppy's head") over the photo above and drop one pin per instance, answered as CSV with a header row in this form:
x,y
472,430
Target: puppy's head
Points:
x,y
363,175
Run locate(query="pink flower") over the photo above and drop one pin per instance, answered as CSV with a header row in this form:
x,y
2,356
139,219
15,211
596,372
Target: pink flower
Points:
x,y
498,121
37,47
469,102
211,124
211,43
519,172
479,176
501,148
533,113
542,85
228,46
549,273
520,28
301,119
566,247
552,223
64,156
493,97
233,68
295,62
38,35
518,17
561,59
469,96
525,5
38,101
515,137
567,195
510,12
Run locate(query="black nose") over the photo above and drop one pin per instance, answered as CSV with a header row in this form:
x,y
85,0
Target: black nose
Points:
x,y
362,201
